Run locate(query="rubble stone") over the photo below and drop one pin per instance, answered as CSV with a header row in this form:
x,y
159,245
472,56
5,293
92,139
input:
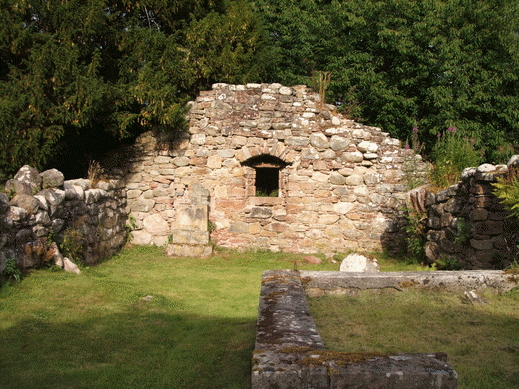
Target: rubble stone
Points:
x,y
466,221
34,217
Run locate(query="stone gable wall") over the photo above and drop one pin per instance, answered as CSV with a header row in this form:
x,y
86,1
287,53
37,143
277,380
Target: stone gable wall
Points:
x,y
341,183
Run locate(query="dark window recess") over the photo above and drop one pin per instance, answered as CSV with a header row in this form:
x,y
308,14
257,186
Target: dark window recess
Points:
x,y
267,169
267,182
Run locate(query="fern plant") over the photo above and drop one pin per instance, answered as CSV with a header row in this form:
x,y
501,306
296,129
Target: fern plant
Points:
x,y
507,190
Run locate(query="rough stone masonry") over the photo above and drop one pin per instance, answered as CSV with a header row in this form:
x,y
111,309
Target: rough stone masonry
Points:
x,y
283,172
289,352
466,222
44,208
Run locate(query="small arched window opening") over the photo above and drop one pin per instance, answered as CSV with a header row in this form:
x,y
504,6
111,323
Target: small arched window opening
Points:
x,y
267,179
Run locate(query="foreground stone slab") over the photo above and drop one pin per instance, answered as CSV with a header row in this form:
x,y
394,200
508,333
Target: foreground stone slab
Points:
x,y
289,352
291,369
318,283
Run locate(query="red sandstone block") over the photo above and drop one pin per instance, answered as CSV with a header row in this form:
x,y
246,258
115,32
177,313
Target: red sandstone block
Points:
x,y
232,204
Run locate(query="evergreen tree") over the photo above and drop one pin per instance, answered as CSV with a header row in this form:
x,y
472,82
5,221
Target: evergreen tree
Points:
x,y
77,77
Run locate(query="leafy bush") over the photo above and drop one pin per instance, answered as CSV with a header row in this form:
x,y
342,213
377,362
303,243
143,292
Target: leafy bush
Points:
x,y
447,263
12,270
452,153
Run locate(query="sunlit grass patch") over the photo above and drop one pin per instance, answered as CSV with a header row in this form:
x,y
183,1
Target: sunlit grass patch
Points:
x,y
138,320
145,320
482,342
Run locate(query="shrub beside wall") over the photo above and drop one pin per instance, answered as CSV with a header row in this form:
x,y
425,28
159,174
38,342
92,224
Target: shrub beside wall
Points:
x,y
86,221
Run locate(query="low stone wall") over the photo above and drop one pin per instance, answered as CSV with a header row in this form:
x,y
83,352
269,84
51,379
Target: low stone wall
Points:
x,y
467,223
37,209
289,352
318,283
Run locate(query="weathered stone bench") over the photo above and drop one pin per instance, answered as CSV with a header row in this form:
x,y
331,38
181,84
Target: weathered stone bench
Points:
x,y
289,352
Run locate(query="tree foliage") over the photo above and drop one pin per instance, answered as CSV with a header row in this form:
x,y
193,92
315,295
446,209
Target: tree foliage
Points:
x,y
400,64
300,35
77,77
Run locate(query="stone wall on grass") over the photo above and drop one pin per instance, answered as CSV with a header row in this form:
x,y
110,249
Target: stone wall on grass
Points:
x,y
283,171
289,352
467,224
38,209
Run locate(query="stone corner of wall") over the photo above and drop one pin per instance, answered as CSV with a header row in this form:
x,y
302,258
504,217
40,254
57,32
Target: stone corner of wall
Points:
x,y
467,223
289,352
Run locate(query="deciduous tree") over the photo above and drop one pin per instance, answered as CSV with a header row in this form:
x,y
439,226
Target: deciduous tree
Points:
x,y
399,64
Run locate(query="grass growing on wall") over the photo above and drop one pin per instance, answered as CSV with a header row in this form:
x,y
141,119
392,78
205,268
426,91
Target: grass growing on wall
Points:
x,y
482,342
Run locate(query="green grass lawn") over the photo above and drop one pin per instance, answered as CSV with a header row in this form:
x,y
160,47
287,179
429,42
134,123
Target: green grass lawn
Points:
x,y
145,320
482,342
95,330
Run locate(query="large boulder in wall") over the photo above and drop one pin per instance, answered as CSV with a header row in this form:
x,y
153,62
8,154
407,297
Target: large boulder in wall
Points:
x,y
27,181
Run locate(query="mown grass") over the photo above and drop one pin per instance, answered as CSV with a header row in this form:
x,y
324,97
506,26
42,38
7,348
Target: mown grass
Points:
x,y
482,342
139,320
403,263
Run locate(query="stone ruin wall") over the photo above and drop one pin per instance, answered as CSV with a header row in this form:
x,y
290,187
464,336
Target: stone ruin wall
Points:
x,y
341,183
44,206
468,223
341,187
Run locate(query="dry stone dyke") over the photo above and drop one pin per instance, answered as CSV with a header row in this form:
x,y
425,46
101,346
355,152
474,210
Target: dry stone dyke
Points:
x,y
44,206
466,222
333,184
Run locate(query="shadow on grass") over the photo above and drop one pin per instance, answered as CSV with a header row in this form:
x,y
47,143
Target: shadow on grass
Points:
x,y
135,349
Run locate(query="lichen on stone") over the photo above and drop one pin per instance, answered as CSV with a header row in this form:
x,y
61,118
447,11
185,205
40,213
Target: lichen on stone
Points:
x,y
408,283
321,357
